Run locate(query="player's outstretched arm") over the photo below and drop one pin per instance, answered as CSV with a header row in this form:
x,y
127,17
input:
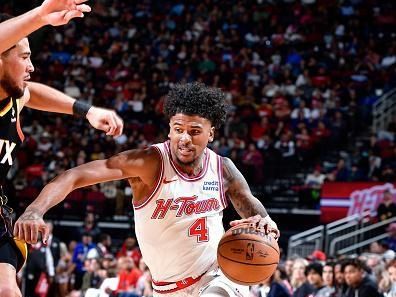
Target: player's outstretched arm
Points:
x,y
51,12
144,164
248,207
45,98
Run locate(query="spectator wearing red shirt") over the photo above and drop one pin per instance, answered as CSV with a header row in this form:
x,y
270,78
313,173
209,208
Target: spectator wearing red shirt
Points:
x,y
252,159
128,276
130,249
259,129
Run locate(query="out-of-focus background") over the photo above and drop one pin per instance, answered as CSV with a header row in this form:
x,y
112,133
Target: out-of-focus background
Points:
x,y
312,88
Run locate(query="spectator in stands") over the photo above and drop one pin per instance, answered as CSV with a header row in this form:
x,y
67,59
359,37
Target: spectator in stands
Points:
x,y
374,266
109,284
93,276
317,256
314,278
387,208
299,278
286,148
54,249
36,267
339,278
357,281
341,172
130,249
374,166
64,272
89,227
270,287
79,256
253,161
388,174
391,239
356,174
289,266
388,256
310,194
102,248
57,247
128,276
391,269
328,289
42,262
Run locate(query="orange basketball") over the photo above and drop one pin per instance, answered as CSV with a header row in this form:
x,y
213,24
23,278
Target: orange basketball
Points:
x,y
246,255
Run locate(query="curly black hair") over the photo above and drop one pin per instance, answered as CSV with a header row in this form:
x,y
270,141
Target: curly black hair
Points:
x,y
197,99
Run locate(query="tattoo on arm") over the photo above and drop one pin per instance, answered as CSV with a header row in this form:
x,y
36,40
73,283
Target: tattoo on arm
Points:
x,y
29,215
239,192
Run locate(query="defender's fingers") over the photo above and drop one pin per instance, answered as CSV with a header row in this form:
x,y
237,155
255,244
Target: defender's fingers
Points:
x,y
16,230
72,14
26,233
45,233
34,233
84,8
120,125
112,122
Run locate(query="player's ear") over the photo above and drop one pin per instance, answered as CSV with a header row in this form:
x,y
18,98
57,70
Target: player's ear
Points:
x,y
211,134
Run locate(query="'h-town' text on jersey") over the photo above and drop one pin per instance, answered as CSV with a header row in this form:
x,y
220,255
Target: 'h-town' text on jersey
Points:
x,y
179,225
11,135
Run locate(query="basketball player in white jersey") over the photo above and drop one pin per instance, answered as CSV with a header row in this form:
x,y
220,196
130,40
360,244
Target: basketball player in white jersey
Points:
x,y
180,189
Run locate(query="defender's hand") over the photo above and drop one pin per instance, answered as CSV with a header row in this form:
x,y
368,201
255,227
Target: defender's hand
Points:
x,y
267,224
60,12
28,227
106,120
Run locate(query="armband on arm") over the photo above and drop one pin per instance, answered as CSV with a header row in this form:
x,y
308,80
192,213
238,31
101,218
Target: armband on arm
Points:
x,y
80,108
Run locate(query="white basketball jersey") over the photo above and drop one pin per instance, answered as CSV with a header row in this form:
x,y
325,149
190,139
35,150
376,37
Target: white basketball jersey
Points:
x,y
179,225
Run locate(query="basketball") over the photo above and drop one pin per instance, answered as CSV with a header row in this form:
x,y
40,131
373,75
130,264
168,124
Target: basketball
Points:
x,y
246,255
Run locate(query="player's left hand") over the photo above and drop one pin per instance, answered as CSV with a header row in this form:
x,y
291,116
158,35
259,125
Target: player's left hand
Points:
x,y
106,120
267,224
60,12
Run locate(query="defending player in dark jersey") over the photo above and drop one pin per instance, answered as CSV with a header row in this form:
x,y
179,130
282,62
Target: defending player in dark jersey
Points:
x,y
15,93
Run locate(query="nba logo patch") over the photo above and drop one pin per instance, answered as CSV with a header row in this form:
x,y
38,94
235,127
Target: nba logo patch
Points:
x,y
249,251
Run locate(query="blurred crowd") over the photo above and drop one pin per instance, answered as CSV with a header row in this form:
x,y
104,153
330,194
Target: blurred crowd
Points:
x,y
95,267
300,76
89,266
371,274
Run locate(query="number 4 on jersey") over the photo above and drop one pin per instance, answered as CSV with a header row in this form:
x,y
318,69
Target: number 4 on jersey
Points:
x,y
199,229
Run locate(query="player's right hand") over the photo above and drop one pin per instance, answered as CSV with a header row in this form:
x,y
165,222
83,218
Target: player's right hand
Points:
x,y
29,225
60,12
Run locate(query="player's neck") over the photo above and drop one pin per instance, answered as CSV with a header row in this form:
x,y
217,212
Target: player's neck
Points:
x,y
192,169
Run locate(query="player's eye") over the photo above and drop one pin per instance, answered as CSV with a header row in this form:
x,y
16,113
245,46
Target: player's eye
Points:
x,y
195,132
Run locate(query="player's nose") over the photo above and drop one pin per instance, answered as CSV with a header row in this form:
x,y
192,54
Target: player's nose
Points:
x,y
185,138
30,67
